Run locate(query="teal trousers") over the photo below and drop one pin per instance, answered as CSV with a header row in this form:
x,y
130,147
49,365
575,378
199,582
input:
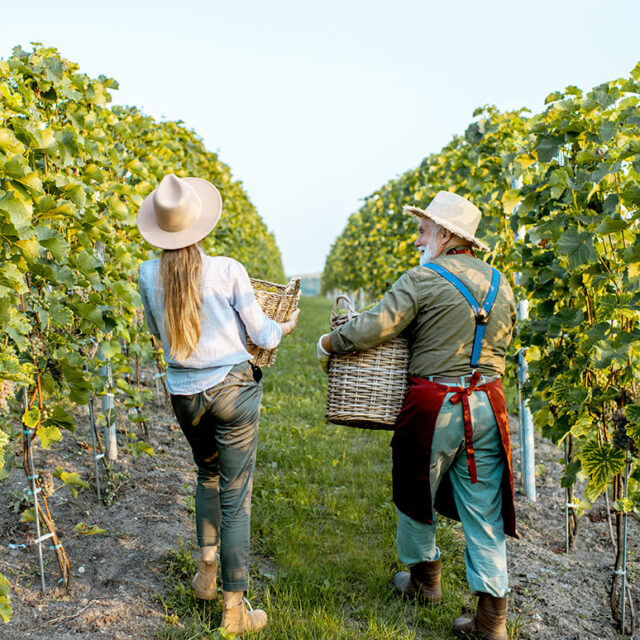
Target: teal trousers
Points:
x,y
479,504
221,425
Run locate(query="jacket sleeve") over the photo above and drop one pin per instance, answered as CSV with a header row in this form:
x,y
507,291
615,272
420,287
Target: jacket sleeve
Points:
x,y
263,331
382,323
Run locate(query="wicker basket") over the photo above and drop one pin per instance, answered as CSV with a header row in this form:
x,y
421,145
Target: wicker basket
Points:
x,y
278,301
366,388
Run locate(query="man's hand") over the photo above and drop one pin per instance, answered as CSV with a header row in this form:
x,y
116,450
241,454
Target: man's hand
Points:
x,y
322,353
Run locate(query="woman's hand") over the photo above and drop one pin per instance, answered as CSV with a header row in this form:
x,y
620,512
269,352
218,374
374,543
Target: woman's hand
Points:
x,y
288,326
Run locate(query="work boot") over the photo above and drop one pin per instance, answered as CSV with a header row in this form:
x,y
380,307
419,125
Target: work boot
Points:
x,y
236,619
421,582
489,623
204,582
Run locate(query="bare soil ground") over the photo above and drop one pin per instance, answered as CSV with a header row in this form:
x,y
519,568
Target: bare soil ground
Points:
x,y
116,577
560,595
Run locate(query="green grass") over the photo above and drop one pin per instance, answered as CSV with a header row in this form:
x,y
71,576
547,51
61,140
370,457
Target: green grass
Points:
x,y
323,524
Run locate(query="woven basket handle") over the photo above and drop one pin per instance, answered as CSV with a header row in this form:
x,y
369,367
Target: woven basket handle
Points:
x,y
293,285
336,318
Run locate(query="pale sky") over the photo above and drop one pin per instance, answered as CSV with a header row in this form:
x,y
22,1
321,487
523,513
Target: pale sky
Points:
x,y
316,105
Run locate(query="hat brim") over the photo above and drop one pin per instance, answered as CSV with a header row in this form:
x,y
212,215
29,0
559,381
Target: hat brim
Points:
x,y
211,210
416,212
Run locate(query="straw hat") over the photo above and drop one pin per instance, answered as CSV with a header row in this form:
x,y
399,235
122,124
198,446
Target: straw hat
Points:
x,y
179,212
455,214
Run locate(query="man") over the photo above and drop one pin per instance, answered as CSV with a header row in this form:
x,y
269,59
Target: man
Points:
x,y
451,445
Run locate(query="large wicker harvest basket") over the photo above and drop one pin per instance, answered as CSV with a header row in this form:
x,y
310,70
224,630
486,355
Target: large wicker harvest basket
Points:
x,y
278,301
366,388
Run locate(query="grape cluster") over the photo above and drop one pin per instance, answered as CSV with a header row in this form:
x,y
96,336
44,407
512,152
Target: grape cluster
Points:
x,y
46,482
56,371
620,438
7,389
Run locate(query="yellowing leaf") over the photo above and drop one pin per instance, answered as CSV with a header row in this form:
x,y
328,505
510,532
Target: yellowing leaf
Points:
x,y
84,529
71,479
27,516
49,436
5,609
31,418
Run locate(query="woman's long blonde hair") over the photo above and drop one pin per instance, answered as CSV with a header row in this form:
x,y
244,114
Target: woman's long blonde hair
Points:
x,y
180,273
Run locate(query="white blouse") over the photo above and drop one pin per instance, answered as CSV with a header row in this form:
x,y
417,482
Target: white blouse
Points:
x,y
228,313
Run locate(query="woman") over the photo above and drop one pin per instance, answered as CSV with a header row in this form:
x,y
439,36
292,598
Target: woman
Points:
x,y
202,307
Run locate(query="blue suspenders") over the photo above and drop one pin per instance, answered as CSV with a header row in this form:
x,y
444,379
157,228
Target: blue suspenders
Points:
x,y
481,313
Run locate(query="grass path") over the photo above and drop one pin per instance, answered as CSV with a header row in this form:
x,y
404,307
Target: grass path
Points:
x,y
323,524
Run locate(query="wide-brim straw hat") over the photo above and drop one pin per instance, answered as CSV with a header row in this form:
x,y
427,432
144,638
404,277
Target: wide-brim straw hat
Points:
x,y
454,213
180,212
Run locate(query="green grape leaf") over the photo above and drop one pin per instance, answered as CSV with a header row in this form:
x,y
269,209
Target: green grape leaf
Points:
x,y
71,479
624,505
86,263
18,210
553,97
611,225
601,463
54,242
548,148
61,418
32,182
16,167
607,130
11,276
578,246
633,413
141,447
510,199
110,349
54,69
8,141
570,473
29,247
631,194
611,203
48,436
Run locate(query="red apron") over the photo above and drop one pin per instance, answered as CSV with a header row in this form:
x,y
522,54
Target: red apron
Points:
x,y
411,445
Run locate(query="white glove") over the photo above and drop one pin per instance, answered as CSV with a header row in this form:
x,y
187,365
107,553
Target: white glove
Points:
x,y
323,354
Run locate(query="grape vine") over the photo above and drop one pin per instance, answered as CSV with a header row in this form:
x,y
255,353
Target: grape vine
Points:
x,y
73,172
560,194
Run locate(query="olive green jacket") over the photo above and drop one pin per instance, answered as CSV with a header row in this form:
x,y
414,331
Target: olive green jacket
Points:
x,y
437,320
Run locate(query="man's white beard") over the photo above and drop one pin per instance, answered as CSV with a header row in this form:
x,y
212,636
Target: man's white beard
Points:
x,y
428,252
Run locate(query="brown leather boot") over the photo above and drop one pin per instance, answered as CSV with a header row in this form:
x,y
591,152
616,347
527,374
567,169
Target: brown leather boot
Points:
x,y
204,582
423,582
489,623
238,619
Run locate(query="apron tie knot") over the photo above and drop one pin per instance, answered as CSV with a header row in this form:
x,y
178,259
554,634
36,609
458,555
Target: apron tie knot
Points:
x,y
463,395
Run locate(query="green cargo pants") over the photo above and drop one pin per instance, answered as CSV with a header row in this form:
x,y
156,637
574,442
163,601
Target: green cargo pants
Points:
x,y
221,425
479,504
